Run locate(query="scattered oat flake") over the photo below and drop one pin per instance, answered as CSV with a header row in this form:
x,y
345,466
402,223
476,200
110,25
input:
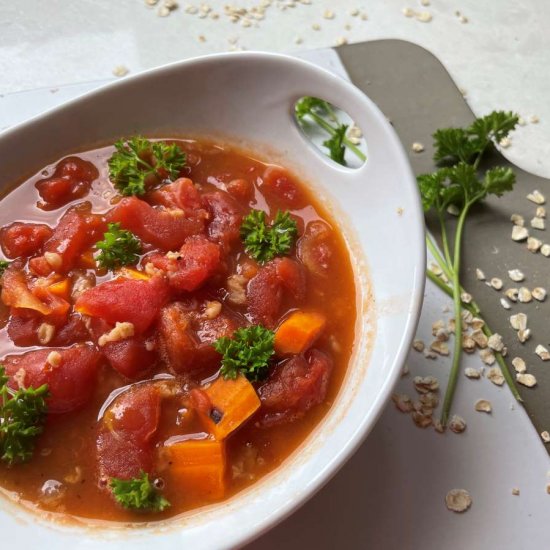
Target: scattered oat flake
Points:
x,y
539,293
537,197
479,337
505,303
466,297
435,269
400,211
538,223
440,347
524,295
516,275
545,436
405,370
468,343
418,345
526,379
453,210
519,364
505,142
423,16
524,335
425,2
540,212
340,41
517,219
328,14
438,426
417,147
482,405
515,491
402,402
425,384
429,354
408,12
120,70
479,274
496,283
298,40
545,250
519,233
487,356
518,321
512,294
495,342
457,424
542,352
534,119
495,376
472,373
421,420
316,27
533,244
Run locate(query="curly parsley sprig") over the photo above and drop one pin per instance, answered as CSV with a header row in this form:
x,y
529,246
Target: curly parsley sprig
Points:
x,y
138,493
318,110
458,184
137,158
264,242
119,247
22,415
248,352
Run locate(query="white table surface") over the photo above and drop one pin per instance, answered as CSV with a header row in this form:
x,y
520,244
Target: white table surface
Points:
x,y
391,494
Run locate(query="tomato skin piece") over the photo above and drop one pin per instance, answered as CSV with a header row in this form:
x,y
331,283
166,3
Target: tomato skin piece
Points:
x,y
165,229
70,384
23,239
185,338
315,248
72,180
294,387
226,217
134,301
179,194
279,184
197,261
124,441
76,231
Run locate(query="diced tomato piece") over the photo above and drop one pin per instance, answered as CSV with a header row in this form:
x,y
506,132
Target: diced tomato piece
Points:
x,y
197,261
74,331
179,194
241,189
279,184
225,217
135,301
70,383
23,327
266,289
186,339
315,248
130,357
17,294
76,231
72,180
124,442
23,239
164,228
39,266
294,387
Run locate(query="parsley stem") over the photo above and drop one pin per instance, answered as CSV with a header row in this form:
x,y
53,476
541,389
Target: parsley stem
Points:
x,y
331,130
474,309
437,256
444,238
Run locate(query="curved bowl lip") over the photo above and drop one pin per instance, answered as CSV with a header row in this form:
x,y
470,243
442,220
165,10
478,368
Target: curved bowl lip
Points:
x,y
247,534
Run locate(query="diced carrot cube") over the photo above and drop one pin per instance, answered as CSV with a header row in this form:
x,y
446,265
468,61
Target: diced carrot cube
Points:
x,y
130,273
61,288
298,332
198,466
87,260
233,403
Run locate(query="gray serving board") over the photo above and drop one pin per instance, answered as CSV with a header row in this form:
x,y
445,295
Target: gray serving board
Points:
x,y
416,92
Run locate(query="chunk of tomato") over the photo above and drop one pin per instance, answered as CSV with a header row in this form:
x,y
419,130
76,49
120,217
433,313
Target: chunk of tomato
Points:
x,y
23,239
70,383
124,442
164,228
135,301
277,183
179,194
197,260
225,217
294,387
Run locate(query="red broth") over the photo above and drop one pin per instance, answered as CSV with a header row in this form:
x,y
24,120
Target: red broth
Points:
x,y
141,396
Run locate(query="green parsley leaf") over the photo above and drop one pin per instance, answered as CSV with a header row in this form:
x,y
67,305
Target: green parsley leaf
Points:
x,y
138,493
22,415
494,126
119,247
498,180
248,352
264,242
308,105
138,158
4,264
335,145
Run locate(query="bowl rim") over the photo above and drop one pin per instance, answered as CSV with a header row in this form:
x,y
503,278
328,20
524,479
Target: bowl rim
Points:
x,y
247,534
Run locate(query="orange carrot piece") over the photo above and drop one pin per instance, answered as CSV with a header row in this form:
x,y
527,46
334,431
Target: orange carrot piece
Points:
x,y
233,403
61,288
298,332
130,273
198,467
87,260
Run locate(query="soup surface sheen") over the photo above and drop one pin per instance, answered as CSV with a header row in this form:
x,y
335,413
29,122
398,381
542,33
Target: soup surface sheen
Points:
x,y
128,353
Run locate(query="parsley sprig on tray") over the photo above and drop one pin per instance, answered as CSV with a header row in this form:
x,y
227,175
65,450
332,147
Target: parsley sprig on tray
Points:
x,y
458,185
137,158
248,352
138,493
264,242
22,415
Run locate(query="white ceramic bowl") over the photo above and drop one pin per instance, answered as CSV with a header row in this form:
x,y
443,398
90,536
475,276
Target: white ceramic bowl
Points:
x,y
248,98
